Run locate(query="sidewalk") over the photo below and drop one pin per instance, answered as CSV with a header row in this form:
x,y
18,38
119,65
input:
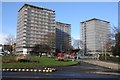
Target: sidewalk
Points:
x,y
110,65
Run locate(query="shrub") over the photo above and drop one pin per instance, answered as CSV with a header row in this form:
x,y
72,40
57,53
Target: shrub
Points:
x,y
19,57
23,60
8,59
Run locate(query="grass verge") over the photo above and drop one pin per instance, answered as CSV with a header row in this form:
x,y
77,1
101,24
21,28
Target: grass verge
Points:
x,y
43,61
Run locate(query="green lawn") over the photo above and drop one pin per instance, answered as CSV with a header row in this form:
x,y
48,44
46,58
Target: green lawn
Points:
x,y
41,62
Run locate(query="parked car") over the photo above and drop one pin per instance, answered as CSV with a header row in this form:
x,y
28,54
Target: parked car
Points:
x,y
1,54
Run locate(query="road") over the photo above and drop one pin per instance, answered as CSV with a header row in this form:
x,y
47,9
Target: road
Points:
x,y
76,72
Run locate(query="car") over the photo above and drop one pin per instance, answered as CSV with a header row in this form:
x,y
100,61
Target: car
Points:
x,y
1,54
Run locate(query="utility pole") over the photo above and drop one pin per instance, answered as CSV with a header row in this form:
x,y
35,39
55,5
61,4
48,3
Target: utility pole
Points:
x,y
102,48
102,43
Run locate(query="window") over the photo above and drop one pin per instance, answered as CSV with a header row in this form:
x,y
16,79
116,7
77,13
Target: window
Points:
x,y
25,12
32,10
26,9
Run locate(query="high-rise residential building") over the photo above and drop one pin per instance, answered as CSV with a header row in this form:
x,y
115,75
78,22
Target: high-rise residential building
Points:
x,y
94,35
36,25
63,36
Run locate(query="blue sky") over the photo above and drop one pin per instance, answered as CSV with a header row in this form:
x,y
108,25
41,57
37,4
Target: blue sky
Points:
x,y
67,12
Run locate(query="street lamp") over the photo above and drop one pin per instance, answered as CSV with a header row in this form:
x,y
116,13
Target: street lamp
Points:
x,y
105,51
104,44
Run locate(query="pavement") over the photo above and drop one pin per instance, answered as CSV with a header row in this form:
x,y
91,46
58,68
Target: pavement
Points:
x,y
110,65
80,71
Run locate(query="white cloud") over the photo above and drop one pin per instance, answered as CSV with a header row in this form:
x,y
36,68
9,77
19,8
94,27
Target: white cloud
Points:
x,y
2,38
76,38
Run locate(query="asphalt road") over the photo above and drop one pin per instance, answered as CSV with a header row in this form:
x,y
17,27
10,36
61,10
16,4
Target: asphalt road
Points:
x,y
82,71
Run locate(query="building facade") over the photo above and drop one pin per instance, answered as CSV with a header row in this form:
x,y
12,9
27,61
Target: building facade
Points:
x,y
36,25
94,35
63,36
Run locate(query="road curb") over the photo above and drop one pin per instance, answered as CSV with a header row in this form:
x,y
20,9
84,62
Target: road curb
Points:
x,y
105,66
28,70
107,73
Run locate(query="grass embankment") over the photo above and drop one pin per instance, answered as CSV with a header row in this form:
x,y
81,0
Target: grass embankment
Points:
x,y
43,61
110,59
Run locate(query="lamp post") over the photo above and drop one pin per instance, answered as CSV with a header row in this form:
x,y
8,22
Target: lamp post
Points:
x,y
105,52
102,48
104,43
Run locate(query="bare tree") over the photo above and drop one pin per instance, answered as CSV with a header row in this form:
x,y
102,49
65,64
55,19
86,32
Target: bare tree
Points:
x,y
114,31
10,40
51,41
66,43
116,36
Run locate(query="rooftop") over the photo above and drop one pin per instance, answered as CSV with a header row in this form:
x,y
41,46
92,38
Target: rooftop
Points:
x,y
95,19
35,7
63,23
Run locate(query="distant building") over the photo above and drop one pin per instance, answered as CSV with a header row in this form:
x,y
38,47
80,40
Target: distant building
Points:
x,y
94,35
36,25
63,36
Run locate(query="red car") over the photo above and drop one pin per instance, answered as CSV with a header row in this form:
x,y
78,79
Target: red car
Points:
x,y
72,55
60,56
